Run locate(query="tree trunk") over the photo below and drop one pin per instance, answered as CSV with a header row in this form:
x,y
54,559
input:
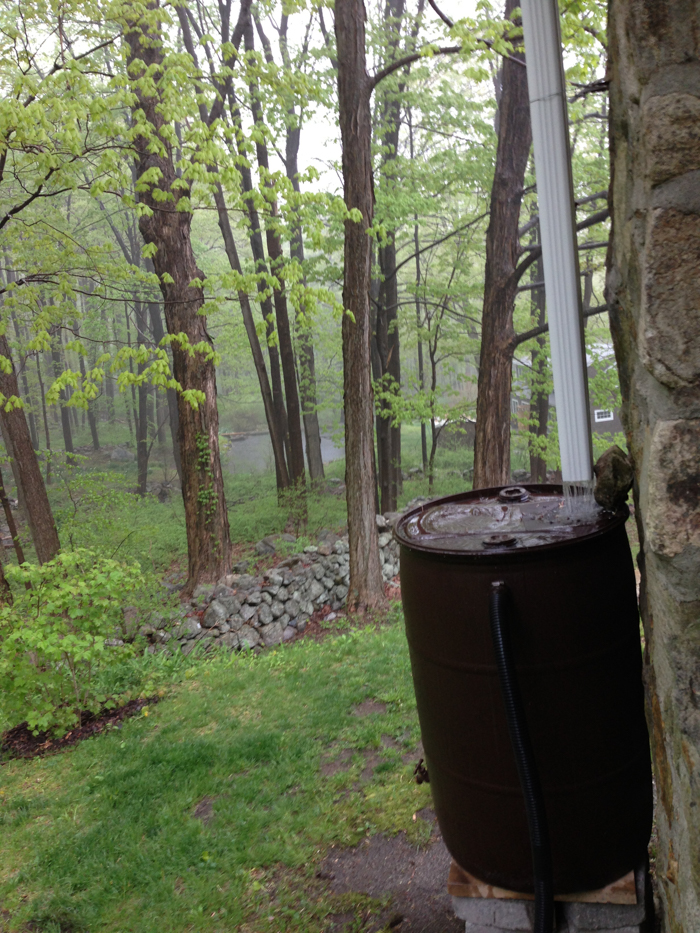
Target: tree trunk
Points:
x,y
539,398
305,351
57,359
25,386
206,518
92,420
653,292
355,126
387,332
142,421
47,432
173,418
492,441
30,484
276,256
276,436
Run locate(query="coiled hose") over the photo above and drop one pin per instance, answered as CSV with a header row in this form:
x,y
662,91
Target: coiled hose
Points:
x,y
524,759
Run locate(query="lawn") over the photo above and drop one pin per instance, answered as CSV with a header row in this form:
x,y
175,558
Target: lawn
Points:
x,y
213,810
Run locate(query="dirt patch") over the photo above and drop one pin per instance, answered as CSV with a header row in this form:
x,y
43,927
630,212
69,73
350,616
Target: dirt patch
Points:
x,y
204,810
368,708
341,762
414,879
19,742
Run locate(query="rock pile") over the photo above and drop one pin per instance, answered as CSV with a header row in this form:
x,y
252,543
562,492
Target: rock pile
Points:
x,y
243,612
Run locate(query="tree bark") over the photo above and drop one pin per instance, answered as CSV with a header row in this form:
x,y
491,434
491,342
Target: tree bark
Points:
x,y
57,359
47,432
25,386
539,399
206,518
30,483
354,90
305,352
276,256
142,393
387,332
173,418
492,441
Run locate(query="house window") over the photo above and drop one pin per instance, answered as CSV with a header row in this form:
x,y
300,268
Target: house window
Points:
x,y
603,414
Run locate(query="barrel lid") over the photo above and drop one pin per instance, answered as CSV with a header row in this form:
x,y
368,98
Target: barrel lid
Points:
x,y
500,520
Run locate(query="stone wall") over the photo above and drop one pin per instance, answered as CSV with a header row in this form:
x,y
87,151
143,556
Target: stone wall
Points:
x,y
653,290
245,611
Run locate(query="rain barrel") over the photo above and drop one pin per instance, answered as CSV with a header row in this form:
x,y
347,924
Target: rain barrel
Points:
x,y
575,638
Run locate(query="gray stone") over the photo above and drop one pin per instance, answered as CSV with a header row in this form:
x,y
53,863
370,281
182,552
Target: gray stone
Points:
x,y
265,615
282,594
223,627
267,598
589,917
271,634
384,539
341,592
248,637
277,609
204,591
264,547
301,624
216,613
310,549
288,633
316,590
235,622
230,640
254,598
274,579
188,628
222,590
247,613
121,455
232,604
188,647
382,523
272,589
614,478
284,620
292,607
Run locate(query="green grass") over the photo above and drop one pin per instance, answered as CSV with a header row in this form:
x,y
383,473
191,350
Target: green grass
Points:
x,y
103,836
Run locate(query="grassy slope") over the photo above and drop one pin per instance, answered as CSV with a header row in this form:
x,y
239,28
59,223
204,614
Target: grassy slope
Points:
x,y
103,837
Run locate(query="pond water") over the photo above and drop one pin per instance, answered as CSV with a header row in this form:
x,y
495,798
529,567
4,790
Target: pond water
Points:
x,y
252,453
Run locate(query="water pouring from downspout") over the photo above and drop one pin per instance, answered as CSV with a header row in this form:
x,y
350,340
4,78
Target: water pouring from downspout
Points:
x,y
555,195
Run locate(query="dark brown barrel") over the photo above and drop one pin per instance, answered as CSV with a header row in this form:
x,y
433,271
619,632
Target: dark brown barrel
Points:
x,y
575,633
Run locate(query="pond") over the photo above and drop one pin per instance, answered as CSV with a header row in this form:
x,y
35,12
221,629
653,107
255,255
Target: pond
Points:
x,y
252,453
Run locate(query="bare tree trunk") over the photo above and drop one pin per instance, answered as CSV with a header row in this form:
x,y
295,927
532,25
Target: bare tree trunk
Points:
x,y
57,358
387,332
171,395
276,436
354,90
539,399
142,422
305,352
109,379
492,441
28,477
25,386
276,256
206,518
11,523
47,432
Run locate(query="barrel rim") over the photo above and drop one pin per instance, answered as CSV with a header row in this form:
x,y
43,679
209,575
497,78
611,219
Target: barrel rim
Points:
x,y
500,555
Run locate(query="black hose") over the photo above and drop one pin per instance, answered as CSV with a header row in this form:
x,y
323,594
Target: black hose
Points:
x,y
524,759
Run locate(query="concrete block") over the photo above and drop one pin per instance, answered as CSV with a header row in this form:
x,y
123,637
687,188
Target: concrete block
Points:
x,y
494,914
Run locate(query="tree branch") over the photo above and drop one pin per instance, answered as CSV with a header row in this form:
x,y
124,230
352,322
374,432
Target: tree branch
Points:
x,y
544,328
535,254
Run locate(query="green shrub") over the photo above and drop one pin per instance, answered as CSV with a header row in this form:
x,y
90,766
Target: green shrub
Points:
x,y
56,634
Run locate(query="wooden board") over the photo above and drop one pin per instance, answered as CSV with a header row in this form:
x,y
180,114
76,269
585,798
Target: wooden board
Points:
x,y
461,884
